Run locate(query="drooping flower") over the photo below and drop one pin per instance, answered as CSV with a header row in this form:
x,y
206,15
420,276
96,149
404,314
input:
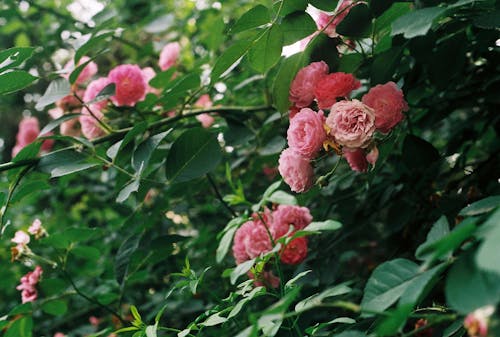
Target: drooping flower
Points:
x,y
306,133
388,102
476,323
302,87
333,86
130,84
169,55
28,285
351,123
296,170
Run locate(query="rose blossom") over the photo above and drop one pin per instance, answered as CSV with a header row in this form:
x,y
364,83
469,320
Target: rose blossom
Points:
x,y
90,126
388,102
286,215
205,119
70,102
93,89
302,87
28,285
372,156
59,334
306,133
88,71
340,13
21,238
37,229
334,85
351,123
130,84
476,323
356,159
296,171
68,128
252,238
295,251
169,55
29,130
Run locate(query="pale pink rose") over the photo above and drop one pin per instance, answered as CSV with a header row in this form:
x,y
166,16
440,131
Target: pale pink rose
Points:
x,y
87,72
333,86
130,84
388,102
476,323
21,238
356,159
265,279
295,251
59,334
37,229
148,73
169,55
302,87
252,238
90,126
28,132
351,123
56,112
70,127
323,18
93,89
204,101
296,171
285,216
206,120
372,156
94,321
239,243
306,133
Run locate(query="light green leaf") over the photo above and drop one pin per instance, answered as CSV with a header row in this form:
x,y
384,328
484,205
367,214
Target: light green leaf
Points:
x,y
282,198
317,299
255,17
416,23
56,90
241,269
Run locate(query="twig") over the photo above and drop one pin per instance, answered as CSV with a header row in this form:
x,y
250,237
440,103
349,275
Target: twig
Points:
x,y
219,196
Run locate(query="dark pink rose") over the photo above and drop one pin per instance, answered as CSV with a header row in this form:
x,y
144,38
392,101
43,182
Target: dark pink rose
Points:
x,y
130,84
333,86
302,87
295,251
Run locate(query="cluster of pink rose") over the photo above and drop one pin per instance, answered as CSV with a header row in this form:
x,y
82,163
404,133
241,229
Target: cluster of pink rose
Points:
x,y
259,235
349,127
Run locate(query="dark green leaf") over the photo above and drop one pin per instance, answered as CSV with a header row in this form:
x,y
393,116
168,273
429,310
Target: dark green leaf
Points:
x,y
56,90
440,229
91,44
161,79
127,190
356,23
64,162
229,58
482,206
144,151
55,307
286,73
383,23
350,63
378,7
21,327
418,153
384,65
393,323
15,80
14,57
326,5
255,17
297,26
122,260
266,51
416,23
105,93
138,129
290,6
488,20
28,152
195,153
56,122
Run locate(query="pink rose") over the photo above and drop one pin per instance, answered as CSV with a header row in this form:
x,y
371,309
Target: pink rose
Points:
x,y
21,238
87,72
286,215
340,13
28,285
251,240
206,120
302,87
296,171
130,84
388,102
306,133
29,130
239,244
169,55
70,127
59,334
333,86
293,112
204,101
148,74
93,89
295,251
351,123
37,229
90,126
356,159
476,323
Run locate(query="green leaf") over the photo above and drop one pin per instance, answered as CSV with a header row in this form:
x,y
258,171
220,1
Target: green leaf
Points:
x,y
468,288
69,168
138,129
28,152
21,309
297,26
384,22
64,162
387,283
328,225
15,80
440,229
52,286
420,285
56,122
418,154
488,20
27,188
91,44
378,7
122,260
144,151
55,307
151,331
14,57
256,292
255,17
105,93
195,153
286,73
282,198
241,269
487,254
326,5
227,238
482,206
56,90
21,327
127,190
350,63
87,253
356,23
214,319
290,6
317,299
393,323
266,51
162,79
229,58
73,76
384,65
416,23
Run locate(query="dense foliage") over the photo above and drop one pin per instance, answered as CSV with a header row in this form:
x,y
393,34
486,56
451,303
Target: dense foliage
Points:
x,y
249,168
